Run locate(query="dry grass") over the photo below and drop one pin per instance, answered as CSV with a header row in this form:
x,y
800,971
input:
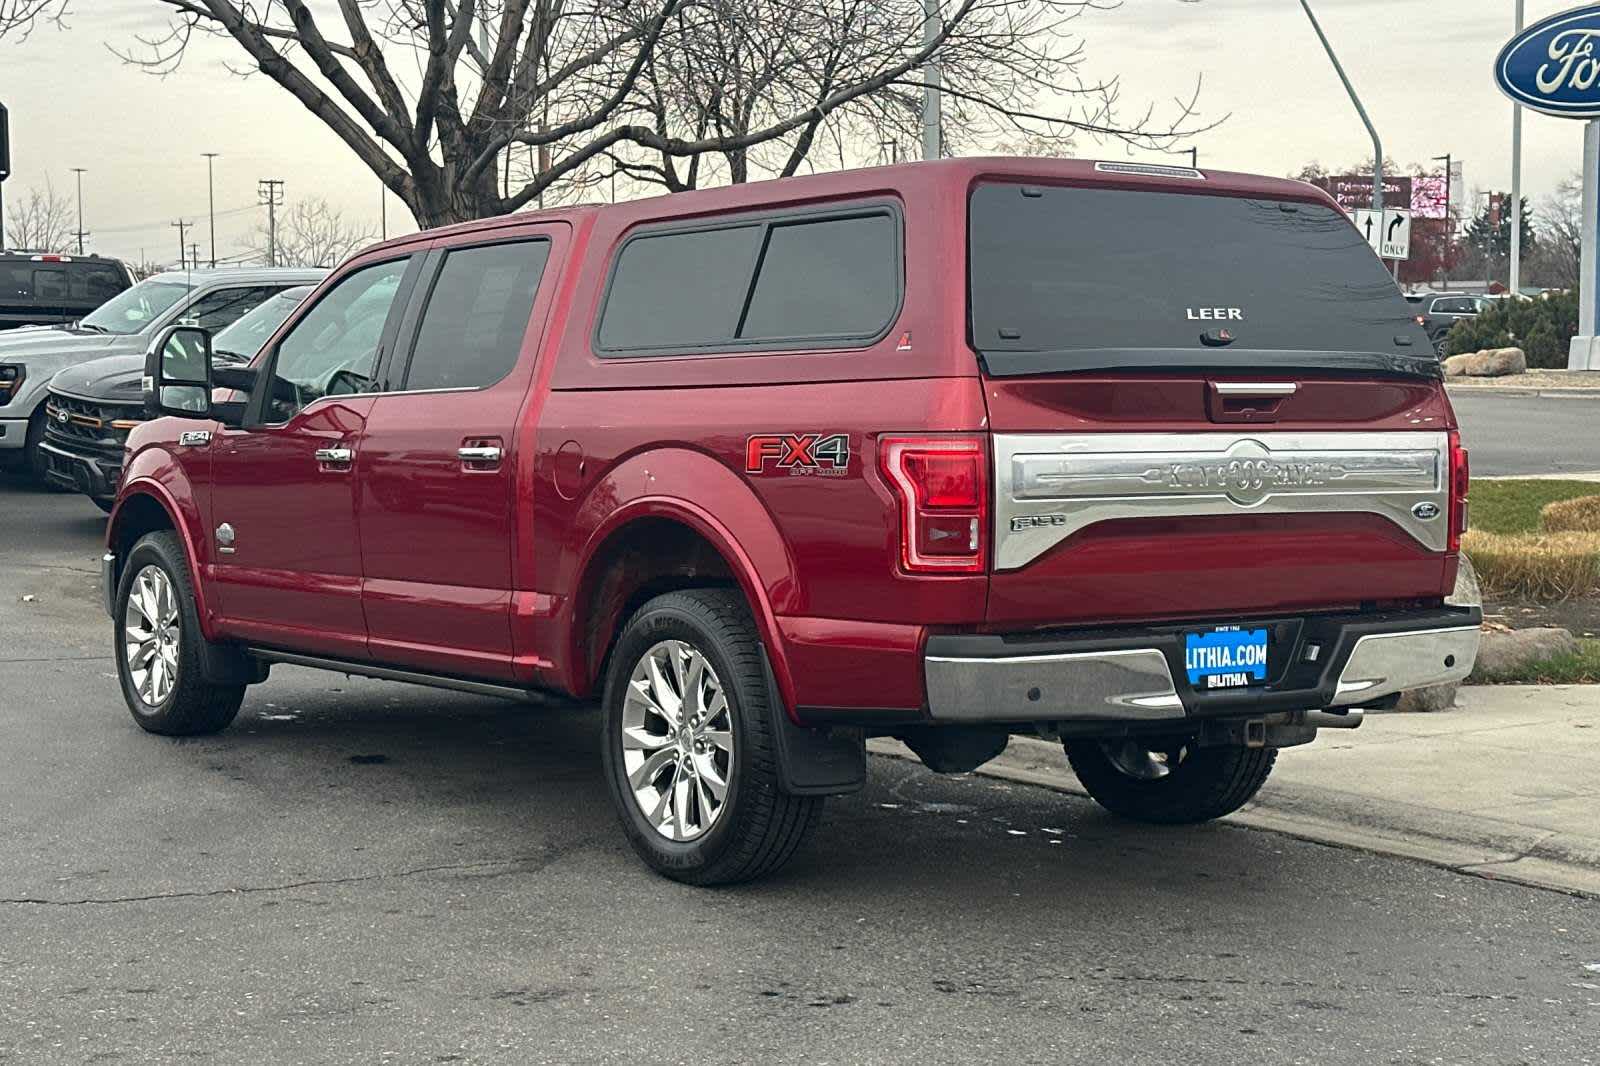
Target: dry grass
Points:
x,y
1581,515
1540,567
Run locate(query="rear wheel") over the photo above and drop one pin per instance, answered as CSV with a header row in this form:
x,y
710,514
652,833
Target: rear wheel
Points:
x,y
689,752
159,644
1169,781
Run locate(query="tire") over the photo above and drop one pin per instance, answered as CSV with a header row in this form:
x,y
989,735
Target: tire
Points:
x,y
1204,783
757,827
185,704
104,503
34,462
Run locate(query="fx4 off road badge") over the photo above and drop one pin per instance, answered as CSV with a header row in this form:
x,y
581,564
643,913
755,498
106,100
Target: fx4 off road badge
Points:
x,y
798,454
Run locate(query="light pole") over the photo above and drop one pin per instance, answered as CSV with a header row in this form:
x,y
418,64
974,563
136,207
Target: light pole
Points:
x,y
211,202
932,135
1377,145
81,235
1449,220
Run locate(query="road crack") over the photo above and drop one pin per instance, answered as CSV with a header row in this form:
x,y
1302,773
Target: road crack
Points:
x,y
529,864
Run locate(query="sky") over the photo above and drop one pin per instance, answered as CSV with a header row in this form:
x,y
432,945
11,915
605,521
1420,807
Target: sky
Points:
x,y
1422,67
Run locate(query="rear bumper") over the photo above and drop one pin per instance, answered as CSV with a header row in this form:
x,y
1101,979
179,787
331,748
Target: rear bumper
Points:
x,y
1138,676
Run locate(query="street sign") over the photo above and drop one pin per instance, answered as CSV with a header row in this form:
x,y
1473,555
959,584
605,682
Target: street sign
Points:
x,y
1553,66
1388,233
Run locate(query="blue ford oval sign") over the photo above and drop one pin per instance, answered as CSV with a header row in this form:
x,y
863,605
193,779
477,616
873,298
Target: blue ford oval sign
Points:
x,y
1554,66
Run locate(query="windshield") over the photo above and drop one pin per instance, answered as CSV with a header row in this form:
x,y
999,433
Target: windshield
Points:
x,y
1093,278
244,338
134,310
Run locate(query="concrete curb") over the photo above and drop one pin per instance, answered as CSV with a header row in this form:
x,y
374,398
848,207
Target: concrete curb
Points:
x,y
1477,847
1528,391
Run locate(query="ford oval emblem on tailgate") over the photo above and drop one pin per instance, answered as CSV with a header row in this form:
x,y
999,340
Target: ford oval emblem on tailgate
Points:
x,y
1426,511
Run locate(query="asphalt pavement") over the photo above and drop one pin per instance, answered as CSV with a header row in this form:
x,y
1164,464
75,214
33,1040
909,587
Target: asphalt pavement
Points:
x,y
361,871
1529,435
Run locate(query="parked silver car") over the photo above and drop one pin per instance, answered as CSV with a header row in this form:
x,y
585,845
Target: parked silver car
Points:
x,y
31,356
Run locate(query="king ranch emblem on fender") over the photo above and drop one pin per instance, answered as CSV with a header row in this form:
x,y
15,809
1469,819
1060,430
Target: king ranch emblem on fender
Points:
x,y
797,454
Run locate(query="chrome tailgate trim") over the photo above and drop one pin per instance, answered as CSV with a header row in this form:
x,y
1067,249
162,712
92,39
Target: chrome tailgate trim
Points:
x,y
1050,486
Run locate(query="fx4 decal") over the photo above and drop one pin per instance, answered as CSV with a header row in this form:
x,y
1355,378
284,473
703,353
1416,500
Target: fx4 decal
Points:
x,y
798,454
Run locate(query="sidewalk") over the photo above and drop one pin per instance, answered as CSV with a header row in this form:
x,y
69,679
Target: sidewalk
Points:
x,y
1506,786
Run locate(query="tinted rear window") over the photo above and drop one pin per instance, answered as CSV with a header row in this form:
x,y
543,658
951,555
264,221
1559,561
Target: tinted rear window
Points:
x,y
783,282
1071,278
81,284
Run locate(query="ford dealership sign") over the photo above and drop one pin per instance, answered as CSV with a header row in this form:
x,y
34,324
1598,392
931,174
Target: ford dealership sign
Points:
x,y
1554,66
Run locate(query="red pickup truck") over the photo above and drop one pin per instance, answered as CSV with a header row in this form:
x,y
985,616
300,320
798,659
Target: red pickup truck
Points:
x,y
1151,460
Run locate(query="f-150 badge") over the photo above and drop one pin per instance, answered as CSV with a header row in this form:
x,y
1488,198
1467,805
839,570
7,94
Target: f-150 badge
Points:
x,y
798,454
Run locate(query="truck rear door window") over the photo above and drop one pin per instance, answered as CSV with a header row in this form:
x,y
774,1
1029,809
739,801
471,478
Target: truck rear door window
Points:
x,y
785,282
476,316
1088,278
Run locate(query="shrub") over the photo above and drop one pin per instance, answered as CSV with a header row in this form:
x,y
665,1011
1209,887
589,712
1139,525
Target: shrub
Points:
x,y
1581,515
1540,567
1541,327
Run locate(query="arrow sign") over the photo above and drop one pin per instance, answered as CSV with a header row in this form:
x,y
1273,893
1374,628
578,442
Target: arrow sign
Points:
x,y
1396,242
1394,223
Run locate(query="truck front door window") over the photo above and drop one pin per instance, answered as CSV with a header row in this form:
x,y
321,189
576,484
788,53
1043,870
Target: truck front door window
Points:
x,y
334,348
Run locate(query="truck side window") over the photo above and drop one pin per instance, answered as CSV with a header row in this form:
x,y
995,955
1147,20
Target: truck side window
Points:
x,y
477,313
333,349
220,308
820,279
780,282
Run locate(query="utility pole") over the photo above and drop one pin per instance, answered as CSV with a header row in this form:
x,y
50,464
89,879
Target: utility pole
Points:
x,y
81,235
269,191
211,202
1194,158
932,133
1516,184
1449,220
1377,145
183,246
194,255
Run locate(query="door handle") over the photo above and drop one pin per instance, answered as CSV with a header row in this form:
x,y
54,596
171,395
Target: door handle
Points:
x,y
487,453
336,456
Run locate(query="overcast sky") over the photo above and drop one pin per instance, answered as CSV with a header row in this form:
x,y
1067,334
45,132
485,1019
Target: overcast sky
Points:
x,y
1422,66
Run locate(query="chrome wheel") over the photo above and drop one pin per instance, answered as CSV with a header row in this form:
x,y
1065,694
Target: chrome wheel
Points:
x,y
677,740
150,635
1136,759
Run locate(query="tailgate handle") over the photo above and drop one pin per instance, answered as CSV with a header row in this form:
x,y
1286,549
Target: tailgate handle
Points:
x,y
1247,401
1256,388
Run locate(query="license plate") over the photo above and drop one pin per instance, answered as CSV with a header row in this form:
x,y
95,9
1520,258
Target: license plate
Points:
x,y
1226,657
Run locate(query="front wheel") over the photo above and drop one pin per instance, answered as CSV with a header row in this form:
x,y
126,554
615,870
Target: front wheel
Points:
x,y
159,644
690,755
1169,781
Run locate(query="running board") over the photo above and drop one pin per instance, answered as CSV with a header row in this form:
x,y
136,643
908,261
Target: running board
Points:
x,y
389,673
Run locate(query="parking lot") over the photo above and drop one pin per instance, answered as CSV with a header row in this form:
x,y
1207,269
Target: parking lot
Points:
x,y
361,871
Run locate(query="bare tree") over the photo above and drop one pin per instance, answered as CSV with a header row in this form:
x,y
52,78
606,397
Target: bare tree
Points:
x,y
728,67
312,234
41,222
1556,260
20,16
442,99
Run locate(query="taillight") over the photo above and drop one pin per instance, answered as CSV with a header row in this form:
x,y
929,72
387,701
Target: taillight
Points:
x,y
1421,320
1460,479
943,488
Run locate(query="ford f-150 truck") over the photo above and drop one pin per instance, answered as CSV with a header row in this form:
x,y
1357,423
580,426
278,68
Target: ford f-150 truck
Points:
x,y
1151,460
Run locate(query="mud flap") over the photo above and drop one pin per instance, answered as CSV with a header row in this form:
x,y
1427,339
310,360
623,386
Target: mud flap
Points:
x,y
814,762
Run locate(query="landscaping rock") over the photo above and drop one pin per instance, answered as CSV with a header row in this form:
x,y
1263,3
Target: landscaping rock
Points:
x,y
1501,653
1489,363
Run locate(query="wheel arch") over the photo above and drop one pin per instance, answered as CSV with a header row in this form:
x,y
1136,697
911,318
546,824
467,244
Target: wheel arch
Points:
x,y
658,543
145,506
